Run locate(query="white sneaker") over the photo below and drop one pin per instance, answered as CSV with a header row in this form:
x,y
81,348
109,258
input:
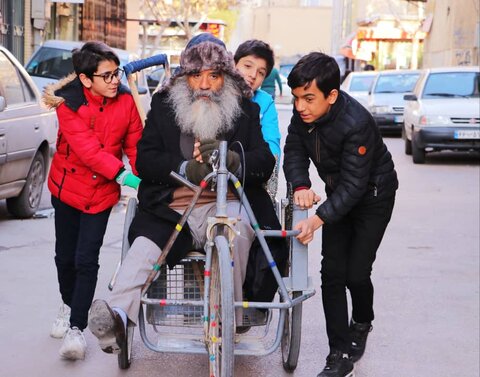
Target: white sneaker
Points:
x,y
62,322
74,345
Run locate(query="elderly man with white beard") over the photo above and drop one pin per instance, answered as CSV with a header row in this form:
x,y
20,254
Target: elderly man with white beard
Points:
x,y
206,100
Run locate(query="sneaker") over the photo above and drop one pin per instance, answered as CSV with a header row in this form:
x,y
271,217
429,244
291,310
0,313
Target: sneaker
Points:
x,y
74,345
338,365
358,333
62,322
108,326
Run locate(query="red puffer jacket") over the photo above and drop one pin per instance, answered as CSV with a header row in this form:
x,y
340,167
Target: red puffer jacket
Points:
x,y
93,133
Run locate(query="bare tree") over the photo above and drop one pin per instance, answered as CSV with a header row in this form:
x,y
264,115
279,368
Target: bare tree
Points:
x,y
188,15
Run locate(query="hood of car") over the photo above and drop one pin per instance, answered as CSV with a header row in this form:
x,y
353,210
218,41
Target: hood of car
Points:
x,y
382,99
453,107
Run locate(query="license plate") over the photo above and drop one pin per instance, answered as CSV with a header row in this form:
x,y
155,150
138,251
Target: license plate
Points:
x,y
467,134
398,119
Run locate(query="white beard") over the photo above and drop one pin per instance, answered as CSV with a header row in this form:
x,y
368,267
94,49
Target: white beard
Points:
x,y
205,118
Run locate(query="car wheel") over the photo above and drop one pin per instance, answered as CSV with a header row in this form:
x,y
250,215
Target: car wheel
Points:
x,y
408,143
418,153
26,204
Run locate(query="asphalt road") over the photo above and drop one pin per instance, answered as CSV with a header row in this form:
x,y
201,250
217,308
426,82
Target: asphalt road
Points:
x,y
426,283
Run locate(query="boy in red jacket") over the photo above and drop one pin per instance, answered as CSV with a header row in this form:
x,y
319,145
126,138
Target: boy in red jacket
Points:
x,y
98,121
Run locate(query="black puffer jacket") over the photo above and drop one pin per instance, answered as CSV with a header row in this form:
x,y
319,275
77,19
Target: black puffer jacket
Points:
x,y
346,147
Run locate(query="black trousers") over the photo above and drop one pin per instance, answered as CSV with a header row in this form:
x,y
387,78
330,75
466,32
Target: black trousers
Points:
x,y
79,237
349,249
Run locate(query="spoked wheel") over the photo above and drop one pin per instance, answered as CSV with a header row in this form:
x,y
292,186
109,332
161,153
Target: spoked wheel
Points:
x,y
220,321
291,337
125,355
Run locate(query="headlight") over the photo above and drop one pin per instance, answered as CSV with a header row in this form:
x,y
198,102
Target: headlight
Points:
x,y
379,109
432,120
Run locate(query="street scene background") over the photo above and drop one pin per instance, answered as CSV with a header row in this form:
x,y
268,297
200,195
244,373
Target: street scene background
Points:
x,y
426,280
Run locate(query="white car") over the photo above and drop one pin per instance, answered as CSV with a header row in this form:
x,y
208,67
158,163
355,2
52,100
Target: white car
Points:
x,y
358,84
27,138
53,61
443,112
385,100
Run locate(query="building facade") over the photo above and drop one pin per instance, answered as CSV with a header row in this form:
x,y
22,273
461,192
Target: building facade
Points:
x,y
25,24
291,27
453,33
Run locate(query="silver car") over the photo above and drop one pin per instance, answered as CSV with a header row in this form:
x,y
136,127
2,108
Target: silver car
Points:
x,y
358,84
53,61
385,100
443,112
27,138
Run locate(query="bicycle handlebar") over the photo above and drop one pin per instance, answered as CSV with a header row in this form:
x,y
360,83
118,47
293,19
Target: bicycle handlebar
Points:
x,y
138,65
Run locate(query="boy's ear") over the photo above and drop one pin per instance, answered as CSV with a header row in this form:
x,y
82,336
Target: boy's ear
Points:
x,y
86,81
332,97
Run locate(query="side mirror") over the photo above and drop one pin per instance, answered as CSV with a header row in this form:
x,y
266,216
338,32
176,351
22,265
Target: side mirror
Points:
x,y
3,103
142,90
410,97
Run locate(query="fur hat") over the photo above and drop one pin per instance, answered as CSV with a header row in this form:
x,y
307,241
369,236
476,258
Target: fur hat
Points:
x,y
204,52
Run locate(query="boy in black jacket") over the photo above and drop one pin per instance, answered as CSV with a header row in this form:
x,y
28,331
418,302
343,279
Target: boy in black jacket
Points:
x,y
341,138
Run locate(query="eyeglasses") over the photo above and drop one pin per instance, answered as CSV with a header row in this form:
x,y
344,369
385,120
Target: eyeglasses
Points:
x,y
108,77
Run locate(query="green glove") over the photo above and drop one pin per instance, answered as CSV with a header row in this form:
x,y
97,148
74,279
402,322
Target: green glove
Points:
x,y
127,178
196,171
209,145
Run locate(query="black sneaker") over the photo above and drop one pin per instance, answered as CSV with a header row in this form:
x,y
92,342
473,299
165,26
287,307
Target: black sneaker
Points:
x,y
338,365
358,333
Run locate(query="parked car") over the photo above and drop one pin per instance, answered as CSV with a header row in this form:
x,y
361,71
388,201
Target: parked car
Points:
x,y
358,84
385,100
443,112
27,138
157,76
53,61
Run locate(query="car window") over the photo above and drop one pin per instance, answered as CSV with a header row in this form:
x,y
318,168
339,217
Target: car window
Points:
x,y
401,83
361,83
452,84
55,63
11,87
52,63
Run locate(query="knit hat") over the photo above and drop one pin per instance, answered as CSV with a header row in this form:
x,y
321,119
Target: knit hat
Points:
x,y
204,52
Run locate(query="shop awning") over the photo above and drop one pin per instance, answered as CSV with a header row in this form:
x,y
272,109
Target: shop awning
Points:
x,y
349,46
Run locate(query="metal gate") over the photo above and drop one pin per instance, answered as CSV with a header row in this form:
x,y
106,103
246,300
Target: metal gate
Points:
x,y
12,27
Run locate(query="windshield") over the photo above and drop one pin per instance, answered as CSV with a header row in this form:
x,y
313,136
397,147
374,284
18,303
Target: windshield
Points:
x,y
452,84
54,63
401,83
361,83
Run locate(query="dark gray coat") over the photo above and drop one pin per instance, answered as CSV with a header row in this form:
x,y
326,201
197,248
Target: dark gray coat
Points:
x,y
347,149
158,153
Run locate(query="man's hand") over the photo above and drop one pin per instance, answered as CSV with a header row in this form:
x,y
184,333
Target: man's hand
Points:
x,y
307,228
207,147
305,198
196,171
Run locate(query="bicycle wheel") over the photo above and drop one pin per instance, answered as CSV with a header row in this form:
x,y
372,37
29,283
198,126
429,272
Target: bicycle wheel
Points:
x,y
125,355
292,335
221,326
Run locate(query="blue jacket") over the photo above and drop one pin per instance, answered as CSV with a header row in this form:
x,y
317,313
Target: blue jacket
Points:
x,y
268,121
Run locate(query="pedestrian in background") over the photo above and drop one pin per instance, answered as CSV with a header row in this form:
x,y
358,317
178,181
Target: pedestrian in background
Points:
x,y
98,121
254,59
340,137
269,83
